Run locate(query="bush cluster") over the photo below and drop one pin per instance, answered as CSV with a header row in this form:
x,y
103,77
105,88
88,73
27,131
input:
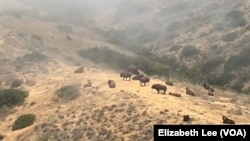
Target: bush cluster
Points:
x,y
230,37
189,51
68,92
12,97
16,83
146,61
23,121
236,18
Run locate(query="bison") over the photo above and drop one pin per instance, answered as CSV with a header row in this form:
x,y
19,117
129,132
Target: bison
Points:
x,y
168,82
175,94
133,69
111,83
226,120
189,92
79,70
137,77
159,87
207,87
125,75
186,118
210,93
144,80
88,84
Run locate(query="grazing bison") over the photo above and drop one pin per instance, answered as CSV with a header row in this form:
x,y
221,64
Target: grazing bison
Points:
x,y
137,77
144,80
189,92
159,87
226,120
210,93
111,83
207,87
168,82
133,69
79,70
125,75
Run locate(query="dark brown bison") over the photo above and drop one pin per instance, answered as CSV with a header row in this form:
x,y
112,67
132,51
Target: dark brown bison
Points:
x,y
79,70
125,75
226,120
186,118
137,77
207,87
111,83
144,80
175,94
159,87
133,69
189,92
210,93
168,82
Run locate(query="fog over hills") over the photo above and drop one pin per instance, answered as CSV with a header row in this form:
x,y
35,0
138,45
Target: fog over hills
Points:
x,y
44,43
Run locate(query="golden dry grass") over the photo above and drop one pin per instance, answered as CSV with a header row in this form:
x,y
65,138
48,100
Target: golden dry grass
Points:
x,y
125,112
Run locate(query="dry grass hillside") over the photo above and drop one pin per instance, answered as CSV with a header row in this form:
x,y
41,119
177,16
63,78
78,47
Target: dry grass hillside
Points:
x,y
127,112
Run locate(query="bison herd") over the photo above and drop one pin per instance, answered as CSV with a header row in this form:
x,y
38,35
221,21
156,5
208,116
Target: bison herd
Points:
x,y
160,88
132,72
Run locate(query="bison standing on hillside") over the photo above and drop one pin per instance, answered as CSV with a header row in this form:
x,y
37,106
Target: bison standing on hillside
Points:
x,y
159,87
168,82
207,87
137,77
210,93
125,75
189,92
111,83
133,69
79,70
144,80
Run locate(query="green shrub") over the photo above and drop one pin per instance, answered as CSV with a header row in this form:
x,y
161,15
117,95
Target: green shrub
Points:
x,y
234,14
69,92
238,87
232,63
147,62
189,51
12,97
23,121
16,83
119,61
220,80
34,57
211,65
150,66
230,37
65,28
236,19
106,56
174,48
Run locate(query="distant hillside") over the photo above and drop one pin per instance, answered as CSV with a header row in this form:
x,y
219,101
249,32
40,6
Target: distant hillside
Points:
x,y
209,37
206,38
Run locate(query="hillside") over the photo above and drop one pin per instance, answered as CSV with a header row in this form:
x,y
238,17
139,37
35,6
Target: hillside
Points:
x,y
208,37
40,50
124,112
